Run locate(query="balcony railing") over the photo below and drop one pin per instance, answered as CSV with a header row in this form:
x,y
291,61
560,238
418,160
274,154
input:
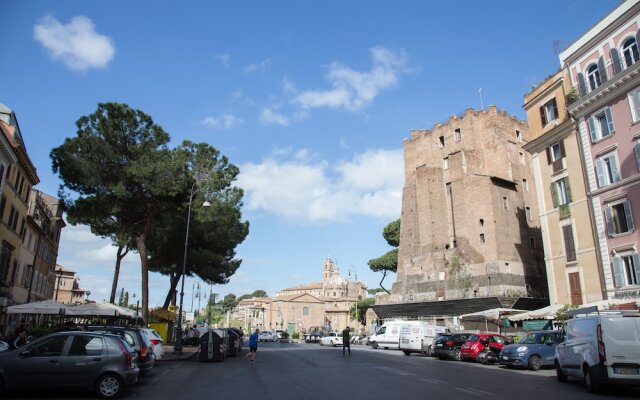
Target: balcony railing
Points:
x,y
565,211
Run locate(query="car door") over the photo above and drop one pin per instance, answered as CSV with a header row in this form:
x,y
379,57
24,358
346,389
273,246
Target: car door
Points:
x,y
38,365
83,362
548,350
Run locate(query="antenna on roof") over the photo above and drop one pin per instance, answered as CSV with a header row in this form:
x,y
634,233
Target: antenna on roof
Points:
x,y
481,105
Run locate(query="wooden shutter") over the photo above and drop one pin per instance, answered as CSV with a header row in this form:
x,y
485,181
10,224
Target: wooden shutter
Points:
x,y
569,244
554,194
575,289
608,217
582,84
555,108
615,61
636,148
562,153
600,173
607,113
549,155
543,116
603,70
615,169
567,190
592,129
628,216
636,267
618,273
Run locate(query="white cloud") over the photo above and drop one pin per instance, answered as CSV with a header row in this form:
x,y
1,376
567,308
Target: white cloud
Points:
x,y
223,58
264,64
270,117
76,44
354,90
302,190
224,121
288,87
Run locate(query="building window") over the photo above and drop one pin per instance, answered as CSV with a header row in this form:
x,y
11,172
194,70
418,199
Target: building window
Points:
x,y
532,242
525,185
601,125
505,202
593,75
445,163
527,212
518,137
607,169
458,135
626,269
569,245
305,311
549,112
482,238
481,222
634,104
521,155
441,141
561,192
630,52
618,218
555,154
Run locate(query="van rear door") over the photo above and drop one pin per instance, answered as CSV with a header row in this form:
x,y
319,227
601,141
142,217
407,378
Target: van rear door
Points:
x,y
621,337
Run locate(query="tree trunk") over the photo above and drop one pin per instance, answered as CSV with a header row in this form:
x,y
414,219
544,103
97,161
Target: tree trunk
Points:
x,y
116,274
384,275
172,288
144,267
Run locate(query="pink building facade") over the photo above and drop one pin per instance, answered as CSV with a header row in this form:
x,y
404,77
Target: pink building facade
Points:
x,y
604,68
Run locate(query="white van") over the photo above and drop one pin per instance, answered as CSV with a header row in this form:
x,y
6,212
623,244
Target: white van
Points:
x,y
388,335
600,347
417,336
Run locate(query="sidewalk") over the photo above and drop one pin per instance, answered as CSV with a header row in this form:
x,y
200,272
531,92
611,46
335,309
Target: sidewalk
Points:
x,y
187,353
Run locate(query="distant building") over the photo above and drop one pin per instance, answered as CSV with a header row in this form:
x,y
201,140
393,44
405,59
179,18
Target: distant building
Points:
x,y
469,222
67,287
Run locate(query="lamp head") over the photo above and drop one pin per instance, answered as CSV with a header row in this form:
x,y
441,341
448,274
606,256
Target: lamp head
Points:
x,y
206,204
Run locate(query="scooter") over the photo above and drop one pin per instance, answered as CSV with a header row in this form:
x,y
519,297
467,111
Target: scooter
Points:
x,y
490,355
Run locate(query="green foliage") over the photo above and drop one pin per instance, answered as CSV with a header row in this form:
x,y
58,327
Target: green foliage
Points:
x,y
389,262
363,306
296,335
561,314
285,335
572,96
374,291
391,233
229,302
256,294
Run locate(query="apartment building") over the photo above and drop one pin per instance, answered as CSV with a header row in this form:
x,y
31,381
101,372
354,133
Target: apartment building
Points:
x,y
571,258
604,73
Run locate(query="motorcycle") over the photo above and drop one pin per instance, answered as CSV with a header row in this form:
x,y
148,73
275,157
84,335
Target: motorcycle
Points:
x,y
489,355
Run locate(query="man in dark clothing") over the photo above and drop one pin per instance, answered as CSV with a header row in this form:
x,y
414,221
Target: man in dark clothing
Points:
x,y
20,339
346,340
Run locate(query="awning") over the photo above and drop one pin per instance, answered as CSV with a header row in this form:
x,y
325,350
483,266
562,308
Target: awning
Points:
x,y
101,309
46,307
493,314
544,313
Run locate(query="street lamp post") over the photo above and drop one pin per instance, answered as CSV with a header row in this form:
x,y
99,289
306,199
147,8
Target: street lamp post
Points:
x,y
355,271
177,348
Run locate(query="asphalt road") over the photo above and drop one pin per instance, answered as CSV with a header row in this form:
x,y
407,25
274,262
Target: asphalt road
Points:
x,y
285,371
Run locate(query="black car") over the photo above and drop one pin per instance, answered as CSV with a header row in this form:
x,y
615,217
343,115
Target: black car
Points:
x,y
136,338
448,345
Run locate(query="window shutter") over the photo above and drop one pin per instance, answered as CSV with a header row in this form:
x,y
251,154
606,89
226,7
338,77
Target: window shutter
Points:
x,y
636,267
562,153
543,116
637,38
607,113
569,245
555,108
582,84
636,148
634,99
549,155
615,61
628,216
592,129
602,69
608,217
615,169
567,190
618,275
602,179
554,194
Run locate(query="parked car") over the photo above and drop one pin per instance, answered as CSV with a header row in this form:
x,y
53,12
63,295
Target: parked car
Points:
x,y
534,351
136,338
156,341
267,336
332,339
447,346
71,360
477,343
600,348
388,335
312,337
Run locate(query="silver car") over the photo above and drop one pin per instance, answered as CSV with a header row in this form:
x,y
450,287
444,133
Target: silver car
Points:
x,y
71,360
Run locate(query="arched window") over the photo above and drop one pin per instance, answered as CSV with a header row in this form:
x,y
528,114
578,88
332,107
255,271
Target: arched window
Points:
x,y
630,52
593,74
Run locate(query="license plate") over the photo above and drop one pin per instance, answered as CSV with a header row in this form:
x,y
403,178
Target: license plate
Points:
x,y
626,371
505,357
439,345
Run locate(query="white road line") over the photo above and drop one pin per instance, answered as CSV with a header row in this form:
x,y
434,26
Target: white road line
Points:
x,y
396,371
474,391
432,380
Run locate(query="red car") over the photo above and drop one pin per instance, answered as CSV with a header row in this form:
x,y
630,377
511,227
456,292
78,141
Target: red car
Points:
x,y
471,348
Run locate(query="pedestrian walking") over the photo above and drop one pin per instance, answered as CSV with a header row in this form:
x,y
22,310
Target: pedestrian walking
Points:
x,y
253,345
346,340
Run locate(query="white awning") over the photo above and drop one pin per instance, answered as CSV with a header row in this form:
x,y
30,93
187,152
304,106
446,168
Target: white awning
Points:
x,y
100,309
543,313
493,314
46,307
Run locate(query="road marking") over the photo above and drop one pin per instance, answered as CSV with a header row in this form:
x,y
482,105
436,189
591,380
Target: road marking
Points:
x,y
396,371
432,380
474,391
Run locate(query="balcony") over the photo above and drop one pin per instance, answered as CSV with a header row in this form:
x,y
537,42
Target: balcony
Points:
x,y
564,211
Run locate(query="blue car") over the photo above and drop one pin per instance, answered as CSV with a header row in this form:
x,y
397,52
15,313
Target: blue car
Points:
x,y
534,351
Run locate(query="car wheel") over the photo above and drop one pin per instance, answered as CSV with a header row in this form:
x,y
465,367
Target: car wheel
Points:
x,y
374,345
561,376
109,386
482,356
535,363
589,380
457,355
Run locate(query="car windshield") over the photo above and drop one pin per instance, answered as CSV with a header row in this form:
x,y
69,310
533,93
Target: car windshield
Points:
x,y
534,338
473,338
444,337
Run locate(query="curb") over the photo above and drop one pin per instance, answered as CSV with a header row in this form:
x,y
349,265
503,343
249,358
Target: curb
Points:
x,y
183,358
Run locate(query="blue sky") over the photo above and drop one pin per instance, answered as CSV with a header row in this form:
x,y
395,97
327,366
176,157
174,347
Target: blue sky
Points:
x,y
311,99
